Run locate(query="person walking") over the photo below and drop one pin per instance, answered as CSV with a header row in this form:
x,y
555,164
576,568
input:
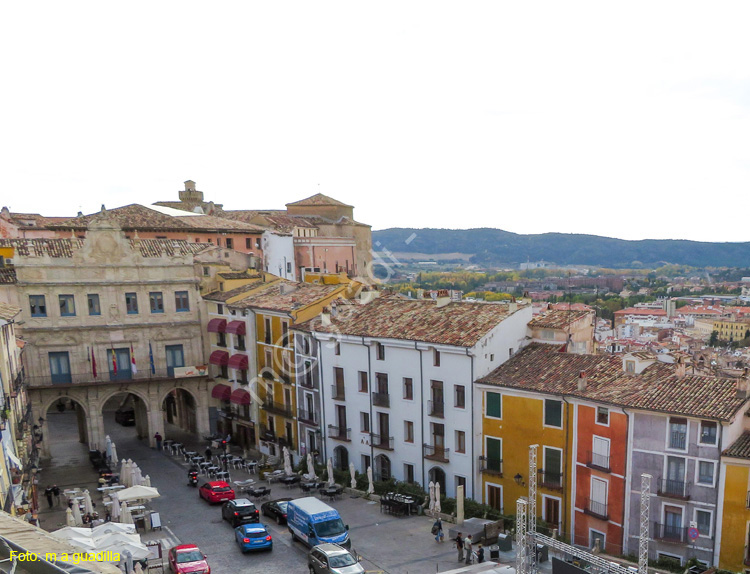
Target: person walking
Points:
x,y
158,438
480,553
437,530
48,494
209,454
467,548
56,493
460,547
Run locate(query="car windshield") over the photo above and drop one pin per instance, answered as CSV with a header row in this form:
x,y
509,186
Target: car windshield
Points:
x,y
282,506
342,560
189,556
330,528
221,489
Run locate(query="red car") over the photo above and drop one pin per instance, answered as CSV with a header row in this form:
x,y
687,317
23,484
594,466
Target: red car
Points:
x,y
216,491
188,559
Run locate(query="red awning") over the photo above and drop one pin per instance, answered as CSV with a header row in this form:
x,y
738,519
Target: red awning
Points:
x,y
236,327
240,397
238,361
217,326
219,358
222,392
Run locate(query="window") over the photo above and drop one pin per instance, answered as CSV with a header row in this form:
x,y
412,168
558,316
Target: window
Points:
x,y
703,519
460,396
677,433
494,454
408,431
708,432
552,467
409,473
59,368
460,481
221,340
364,421
548,334
257,243
230,243
181,301
495,497
206,272
156,300
552,413
460,441
494,406
67,306
289,267
219,309
94,307
175,358
380,351
706,472
218,241
602,415
337,348
492,357
630,367
436,358
38,306
240,342
408,389
131,303
267,331
363,386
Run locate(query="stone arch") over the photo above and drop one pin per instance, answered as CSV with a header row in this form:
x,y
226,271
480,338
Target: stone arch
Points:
x,y
383,468
340,458
144,423
181,406
437,474
86,431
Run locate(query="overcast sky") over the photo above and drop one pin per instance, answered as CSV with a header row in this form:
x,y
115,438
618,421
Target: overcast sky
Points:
x,y
628,119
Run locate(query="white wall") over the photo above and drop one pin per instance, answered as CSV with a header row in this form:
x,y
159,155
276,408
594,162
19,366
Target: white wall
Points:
x,y
278,255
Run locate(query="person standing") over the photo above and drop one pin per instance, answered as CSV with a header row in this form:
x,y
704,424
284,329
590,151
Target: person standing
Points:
x,y
460,547
48,494
209,454
480,553
56,493
158,438
467,548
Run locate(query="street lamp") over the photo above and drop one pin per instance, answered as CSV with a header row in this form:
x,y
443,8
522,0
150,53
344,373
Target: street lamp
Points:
x,y
519,480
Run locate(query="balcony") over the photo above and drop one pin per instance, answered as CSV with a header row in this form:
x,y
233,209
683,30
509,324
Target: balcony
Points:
x,y
597,461
673,489
239,348
305,380
307,417
105,376
382,441
436,453
381,400
491,465
267,434
670,533
277,408
339,433
596,509
436,408
677,440
287,442
338,393
551,480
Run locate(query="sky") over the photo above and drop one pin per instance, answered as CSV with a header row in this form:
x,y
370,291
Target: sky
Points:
x,y
628,120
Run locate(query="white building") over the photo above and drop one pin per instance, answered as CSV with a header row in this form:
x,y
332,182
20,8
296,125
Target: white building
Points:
x,y
278,254
396,382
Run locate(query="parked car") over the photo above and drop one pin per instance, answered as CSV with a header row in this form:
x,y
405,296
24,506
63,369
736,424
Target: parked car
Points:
x,y
125,416
253,537
239,511
275,509
188,559
333,559
216,491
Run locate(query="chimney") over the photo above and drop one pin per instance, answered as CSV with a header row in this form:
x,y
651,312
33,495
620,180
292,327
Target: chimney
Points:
x,y
583,381
443,298
325,316
743,386
368,295
80,214
681,369
512,306
5,213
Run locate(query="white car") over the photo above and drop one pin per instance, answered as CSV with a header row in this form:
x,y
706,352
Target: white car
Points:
x,y
333,559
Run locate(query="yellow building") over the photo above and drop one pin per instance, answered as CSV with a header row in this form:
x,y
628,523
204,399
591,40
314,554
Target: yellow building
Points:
x,y
734,518
731,330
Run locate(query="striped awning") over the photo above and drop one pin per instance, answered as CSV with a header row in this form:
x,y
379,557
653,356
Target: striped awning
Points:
x,y
220,358
238,361
222,392
217,326
236,327
240,397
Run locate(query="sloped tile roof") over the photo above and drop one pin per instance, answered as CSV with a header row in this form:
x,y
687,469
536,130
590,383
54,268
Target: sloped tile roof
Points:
x,y
8,311
557,319
461,324
542,368
273,299
7,275
319,199
55,248
239,275
739,448
168,247
224,296
640,311
212,223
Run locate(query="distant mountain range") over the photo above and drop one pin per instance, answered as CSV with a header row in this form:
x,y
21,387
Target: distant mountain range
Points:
x,y
495,247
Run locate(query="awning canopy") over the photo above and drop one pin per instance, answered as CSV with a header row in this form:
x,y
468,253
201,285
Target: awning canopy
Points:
x,y
219,358
238,361
236,327
217,326
222,392
240,397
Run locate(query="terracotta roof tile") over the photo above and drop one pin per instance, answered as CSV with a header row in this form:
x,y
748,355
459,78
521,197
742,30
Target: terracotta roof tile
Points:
x,y
55,248
558,319
640,311
319,199
224,296
739,448
273,299
239,275
542,368
168,247
7,275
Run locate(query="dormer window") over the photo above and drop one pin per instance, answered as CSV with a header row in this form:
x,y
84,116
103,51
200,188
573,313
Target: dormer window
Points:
x,y
630,367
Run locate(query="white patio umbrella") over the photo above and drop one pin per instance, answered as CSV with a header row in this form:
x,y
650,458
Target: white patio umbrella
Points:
x,y
287,462
114,509
68,532
432,496
87,504
113,538
146,481
82,543
311,467
132,480
331,480
351,473
69,520
138,493
125,473
77,514
114,458
437,498
111,527
125,516
108,448
370,485
137,476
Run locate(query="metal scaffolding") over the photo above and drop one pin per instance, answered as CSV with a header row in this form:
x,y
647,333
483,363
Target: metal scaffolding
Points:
x,y
521,550
643,534
531,530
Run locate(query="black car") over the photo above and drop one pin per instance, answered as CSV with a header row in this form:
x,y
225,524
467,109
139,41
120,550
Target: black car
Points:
x,y
276,508
239,511
125,416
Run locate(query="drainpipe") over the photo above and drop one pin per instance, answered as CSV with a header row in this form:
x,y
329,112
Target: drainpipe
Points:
x,y
471,398
421,408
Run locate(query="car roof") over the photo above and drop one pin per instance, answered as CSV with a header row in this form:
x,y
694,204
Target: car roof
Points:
x,y
217,483
331,549
182,547
256,527
278,500
242,502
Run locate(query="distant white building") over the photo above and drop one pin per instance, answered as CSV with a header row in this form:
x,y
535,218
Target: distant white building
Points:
x,y
278,254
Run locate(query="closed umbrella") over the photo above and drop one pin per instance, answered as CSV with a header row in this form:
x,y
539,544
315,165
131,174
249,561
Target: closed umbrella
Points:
x,y
125,516
146,481
432,496
351,473
331,480
127,558
114,509
87,504
287,462
77,514
108,448
137,476
114,458
133,480
69,520
370,485
437,498
311,467
123,471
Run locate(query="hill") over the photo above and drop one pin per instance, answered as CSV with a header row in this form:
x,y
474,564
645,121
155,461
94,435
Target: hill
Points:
x,y
495,246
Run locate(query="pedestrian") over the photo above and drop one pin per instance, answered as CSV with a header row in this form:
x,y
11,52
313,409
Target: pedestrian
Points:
x,y
48,494
467,548
437,530
460,547
157,436
480,553
56,492
209,454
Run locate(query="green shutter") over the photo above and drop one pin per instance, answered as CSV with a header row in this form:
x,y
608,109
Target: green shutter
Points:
x,y
494,405
552,461
552,413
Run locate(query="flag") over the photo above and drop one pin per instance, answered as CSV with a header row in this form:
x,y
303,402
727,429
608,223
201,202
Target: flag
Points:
x,y
93,362
132,360
151,358
114,362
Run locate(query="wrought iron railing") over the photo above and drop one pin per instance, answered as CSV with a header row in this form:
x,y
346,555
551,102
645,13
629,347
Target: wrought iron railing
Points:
x,y
597,460
309,417
338,393
673,488
382,441
670,532
339,433
381,400
491,465
597,509
549,479
277,408
432,452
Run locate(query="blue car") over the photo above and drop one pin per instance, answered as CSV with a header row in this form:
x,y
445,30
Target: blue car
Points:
x,y
253,537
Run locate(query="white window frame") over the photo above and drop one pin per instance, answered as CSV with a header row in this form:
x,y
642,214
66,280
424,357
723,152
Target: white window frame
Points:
x,y
544,458
604,536
484,450
544,508
596,416
609,448
687,436
700,433
487,495
710,522
663,513
665,469
455,441
544,414
606,489
362,415
697,473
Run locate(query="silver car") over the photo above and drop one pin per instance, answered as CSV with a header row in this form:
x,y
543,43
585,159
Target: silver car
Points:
x,y
333,559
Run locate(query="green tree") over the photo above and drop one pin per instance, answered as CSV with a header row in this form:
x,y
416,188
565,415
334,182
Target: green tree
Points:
x,y
713,339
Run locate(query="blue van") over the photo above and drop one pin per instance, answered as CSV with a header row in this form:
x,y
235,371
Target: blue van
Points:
x,y
314,522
